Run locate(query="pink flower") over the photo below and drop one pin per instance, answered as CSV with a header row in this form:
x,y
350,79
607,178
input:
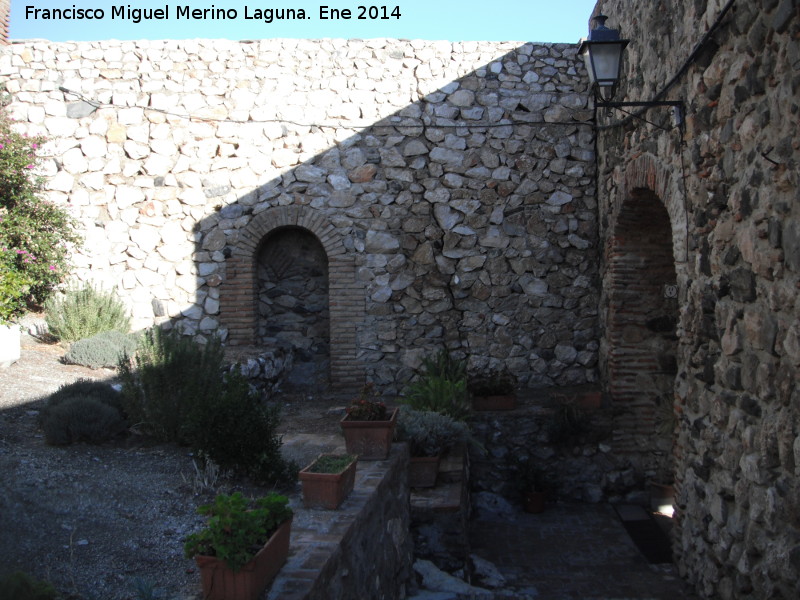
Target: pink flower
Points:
x,y
52,267
29,166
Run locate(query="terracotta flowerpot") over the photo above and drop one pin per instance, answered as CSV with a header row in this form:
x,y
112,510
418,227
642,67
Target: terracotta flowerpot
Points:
x,y
533,502
502,402
371,440
9,345
327,490
221,583
423,471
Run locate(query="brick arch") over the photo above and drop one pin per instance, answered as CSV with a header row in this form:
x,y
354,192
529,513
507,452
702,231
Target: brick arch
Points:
x,y
645,250
647,173
239,291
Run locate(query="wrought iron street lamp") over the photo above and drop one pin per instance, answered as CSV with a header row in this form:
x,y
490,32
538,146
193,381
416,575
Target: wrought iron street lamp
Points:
x,y
602,53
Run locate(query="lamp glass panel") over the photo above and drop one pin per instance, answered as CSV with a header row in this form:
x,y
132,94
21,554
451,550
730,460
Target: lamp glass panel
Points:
x,y
605,60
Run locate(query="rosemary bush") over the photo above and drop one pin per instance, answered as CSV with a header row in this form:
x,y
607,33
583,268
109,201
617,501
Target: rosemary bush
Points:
x,y
102,350
167,377
83,312
83,411
173,388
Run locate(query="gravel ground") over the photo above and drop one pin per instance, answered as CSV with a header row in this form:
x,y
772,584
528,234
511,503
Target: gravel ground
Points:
x,y
97,521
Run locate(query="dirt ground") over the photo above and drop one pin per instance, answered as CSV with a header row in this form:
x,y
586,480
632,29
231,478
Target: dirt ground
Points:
x,y
107,522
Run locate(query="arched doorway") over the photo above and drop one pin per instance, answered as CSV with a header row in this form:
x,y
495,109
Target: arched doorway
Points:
x,y
642,318
292,273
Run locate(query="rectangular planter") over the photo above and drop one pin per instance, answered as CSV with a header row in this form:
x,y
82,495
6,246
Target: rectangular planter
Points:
x,y
371,440
221,583
504,402
327,490
423,471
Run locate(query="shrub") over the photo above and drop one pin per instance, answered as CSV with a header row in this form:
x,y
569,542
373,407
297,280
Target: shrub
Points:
x,y
21,586
84,312
105,349
174,389
35,235
87,411
239,432
430,433
166,378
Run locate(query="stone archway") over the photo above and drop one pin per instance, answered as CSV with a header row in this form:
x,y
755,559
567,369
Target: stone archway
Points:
x,y
239,293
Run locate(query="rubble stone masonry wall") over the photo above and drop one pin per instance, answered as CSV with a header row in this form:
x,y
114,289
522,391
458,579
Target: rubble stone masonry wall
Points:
x,y
728,181
451,186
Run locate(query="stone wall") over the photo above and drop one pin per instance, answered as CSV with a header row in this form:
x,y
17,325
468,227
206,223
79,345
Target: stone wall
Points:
x,y
451,187
728,181
364,549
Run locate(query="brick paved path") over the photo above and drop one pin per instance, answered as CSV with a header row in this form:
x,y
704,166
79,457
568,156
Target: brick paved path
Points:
x,y
572,552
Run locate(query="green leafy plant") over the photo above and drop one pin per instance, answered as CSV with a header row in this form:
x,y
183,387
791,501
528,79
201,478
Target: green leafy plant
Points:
x,y
429,433
86,411
85,311
440,386
36,236
237,528
14,287
105,349
331,463
366,406
21,586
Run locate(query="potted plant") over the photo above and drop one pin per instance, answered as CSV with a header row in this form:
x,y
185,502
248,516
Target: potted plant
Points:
x,y
328,480
440,385
243,545
532,483
494,390
429,435
368,426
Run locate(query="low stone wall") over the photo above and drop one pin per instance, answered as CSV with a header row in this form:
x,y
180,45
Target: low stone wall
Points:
x,y
361,550
265,370
577,466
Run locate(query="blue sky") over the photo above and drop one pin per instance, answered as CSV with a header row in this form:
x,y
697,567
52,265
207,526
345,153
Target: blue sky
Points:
x,y
455,20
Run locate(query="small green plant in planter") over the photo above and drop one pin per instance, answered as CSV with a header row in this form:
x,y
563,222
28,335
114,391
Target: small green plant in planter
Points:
x,y
328,480
243,545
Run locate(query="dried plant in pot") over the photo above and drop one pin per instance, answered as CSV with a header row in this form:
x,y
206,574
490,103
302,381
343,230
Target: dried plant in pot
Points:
x,y
493,390
243,545
368,426
328,480
429,435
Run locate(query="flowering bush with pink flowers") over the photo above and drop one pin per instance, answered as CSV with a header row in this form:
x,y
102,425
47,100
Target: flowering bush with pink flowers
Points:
x,y
35,235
